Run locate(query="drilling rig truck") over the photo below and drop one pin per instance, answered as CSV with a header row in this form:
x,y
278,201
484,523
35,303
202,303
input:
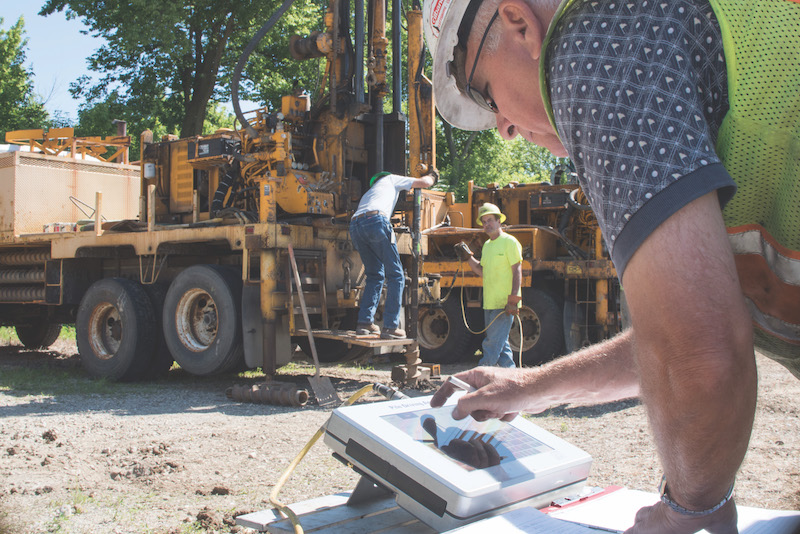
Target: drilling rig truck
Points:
x,y
189,256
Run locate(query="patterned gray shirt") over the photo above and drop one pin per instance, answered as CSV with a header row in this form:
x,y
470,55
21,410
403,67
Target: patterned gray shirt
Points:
x,y
639,90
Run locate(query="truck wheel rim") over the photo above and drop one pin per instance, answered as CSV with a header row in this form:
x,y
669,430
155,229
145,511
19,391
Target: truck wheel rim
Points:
x,y
196,320
105,331
434,327
531,330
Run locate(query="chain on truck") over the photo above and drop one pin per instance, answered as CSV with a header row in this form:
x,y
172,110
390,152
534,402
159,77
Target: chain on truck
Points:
x,y
185,256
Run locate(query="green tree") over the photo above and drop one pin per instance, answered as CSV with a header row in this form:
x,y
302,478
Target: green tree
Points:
x,y
171,59
19,108
483,157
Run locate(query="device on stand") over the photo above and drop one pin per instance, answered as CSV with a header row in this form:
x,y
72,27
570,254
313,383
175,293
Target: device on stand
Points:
x,y
449,473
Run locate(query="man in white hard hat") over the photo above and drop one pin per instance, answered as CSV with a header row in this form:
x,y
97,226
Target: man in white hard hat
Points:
x,y
373,237
500,267
663,124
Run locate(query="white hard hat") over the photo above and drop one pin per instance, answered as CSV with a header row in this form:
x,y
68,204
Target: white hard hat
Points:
x,y
441,20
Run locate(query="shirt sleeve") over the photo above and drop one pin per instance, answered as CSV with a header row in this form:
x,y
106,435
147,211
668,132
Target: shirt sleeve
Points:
x,y
513,251
402,183
639,92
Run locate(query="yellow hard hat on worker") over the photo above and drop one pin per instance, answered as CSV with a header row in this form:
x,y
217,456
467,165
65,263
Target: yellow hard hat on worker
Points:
x,y
489,209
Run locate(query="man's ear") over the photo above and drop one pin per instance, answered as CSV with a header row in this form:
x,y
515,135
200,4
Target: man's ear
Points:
x,y
526,26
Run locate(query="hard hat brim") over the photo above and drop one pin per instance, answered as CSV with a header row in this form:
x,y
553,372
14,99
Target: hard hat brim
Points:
x,y
454,105
498,213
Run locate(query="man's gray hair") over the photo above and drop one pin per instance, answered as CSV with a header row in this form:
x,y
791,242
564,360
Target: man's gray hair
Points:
x,y
484,15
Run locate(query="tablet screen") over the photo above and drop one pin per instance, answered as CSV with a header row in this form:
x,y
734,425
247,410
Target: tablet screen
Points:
x,y
470,443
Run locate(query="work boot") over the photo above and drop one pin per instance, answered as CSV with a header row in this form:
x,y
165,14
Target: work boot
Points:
x,y
393,333
365,329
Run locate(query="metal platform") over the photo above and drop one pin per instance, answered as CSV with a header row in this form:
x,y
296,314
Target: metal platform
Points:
x,y
331,514
351,338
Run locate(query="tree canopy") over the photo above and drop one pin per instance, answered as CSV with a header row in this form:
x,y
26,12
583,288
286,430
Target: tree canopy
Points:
x,y
165,66
19,108
483,157
170,60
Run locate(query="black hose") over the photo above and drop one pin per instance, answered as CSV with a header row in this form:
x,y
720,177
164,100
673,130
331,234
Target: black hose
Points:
x,y
237,73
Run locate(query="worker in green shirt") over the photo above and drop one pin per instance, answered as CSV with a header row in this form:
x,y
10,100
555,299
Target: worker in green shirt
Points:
x,y
501,265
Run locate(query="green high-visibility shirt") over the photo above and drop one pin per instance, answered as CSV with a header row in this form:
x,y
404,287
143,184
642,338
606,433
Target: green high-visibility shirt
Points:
x,y
497,257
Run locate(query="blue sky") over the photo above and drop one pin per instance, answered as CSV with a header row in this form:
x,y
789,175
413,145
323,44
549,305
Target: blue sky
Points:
x,y
56,52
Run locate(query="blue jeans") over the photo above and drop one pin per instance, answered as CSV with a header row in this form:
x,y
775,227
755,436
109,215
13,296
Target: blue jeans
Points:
x,y
372,238
496,349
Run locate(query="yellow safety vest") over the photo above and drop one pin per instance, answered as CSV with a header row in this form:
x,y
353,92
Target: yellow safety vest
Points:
x,y
759,145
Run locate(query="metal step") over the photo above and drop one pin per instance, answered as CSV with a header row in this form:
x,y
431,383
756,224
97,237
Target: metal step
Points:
x,y
350,337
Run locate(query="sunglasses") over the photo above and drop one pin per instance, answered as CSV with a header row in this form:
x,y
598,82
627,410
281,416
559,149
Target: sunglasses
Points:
x,y
483,101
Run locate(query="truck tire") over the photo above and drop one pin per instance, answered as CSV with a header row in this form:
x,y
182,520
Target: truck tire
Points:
x,y
542,328
39,334
114,329
443,336
202,320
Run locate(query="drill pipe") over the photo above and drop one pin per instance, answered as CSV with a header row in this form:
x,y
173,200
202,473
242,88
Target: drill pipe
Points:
x,y
31,257
282,394
21,294
19,276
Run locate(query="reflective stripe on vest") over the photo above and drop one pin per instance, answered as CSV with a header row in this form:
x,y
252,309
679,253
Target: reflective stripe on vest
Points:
x,y
770,278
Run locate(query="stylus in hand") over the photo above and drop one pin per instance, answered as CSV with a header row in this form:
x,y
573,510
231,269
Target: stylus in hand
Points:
x,y
460,384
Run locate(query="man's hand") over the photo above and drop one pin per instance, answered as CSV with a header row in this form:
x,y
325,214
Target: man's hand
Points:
x,y
433,173
462,251
501,394
661,518
512,304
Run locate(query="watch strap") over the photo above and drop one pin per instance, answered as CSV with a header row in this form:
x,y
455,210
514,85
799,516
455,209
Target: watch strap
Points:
x,y
665,498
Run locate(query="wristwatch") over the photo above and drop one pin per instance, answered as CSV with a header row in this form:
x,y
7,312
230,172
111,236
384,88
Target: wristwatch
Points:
x,y
685,511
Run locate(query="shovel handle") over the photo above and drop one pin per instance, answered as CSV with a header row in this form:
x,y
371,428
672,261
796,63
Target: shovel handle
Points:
x,y
299,285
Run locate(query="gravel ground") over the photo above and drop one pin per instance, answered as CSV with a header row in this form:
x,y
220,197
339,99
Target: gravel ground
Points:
x,y
178,456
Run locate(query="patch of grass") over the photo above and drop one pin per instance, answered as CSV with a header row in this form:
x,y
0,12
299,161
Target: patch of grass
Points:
x,y
8,335
253,373
5,526
67,332
80,499
358,366
51,381
291,367
48,381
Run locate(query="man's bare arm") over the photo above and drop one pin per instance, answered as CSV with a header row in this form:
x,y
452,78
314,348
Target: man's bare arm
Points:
x,y
424,182
694,349
516,278
475,265
600,373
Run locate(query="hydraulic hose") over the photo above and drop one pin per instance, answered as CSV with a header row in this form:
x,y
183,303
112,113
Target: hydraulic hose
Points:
x,y
464,315
237,73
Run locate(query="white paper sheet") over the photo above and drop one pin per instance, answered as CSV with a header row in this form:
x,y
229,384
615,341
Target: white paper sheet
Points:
x,y
523,521
616,512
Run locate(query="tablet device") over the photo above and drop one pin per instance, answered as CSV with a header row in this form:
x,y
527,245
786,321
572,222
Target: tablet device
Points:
x,y
449,473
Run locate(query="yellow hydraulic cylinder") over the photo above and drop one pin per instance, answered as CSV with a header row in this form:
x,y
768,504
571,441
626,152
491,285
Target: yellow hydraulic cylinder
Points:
x,y
269,282
421,123
376,64
601,286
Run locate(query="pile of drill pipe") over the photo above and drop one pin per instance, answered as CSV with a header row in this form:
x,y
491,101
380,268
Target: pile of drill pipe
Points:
x,y
269,393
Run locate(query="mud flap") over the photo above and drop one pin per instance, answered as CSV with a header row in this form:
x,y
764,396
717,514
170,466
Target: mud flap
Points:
x,y
252,326
253,334
575,331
